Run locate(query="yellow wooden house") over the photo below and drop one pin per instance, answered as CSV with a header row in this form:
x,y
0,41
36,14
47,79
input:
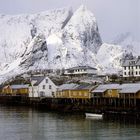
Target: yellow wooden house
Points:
x,y
15,90
130,91
106,91
74,91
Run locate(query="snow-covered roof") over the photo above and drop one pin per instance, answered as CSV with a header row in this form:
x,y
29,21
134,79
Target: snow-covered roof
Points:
x,y
123,88
73,86
68,86
103,88
19,86
131,62
130,88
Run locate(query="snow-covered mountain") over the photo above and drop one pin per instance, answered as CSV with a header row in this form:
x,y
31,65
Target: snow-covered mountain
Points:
x,y
109,58
77,43
82,29
128,42
54,39
16,30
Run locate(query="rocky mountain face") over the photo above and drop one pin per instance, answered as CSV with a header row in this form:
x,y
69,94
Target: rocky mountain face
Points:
x,y
77,43
83,30
54,39
17,31
36,55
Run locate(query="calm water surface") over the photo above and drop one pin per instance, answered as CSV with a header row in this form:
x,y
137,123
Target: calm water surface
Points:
x,y
18,123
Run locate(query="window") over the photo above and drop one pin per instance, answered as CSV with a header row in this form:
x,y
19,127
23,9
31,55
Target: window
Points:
x,y
43,87
136,67
50,87
46,80
53,94
42,94
124,68
124,73
136,72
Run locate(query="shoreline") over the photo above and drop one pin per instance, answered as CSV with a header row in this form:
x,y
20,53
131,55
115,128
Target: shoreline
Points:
x,y
54,104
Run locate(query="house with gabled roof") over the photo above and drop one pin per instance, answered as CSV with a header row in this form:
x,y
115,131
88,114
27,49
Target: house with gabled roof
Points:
x,y
74,91
106,91
42,86
63,91
117,90
131,67
126,95
22,90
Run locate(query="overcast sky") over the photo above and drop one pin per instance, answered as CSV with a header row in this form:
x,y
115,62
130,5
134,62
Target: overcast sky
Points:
x,y
114,17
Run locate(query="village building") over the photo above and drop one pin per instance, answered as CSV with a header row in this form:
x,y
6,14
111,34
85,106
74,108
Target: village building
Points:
x,y
105,94
117,95
130,95
106,91
42,86
22,90
80,71
74,91
63,91
131,67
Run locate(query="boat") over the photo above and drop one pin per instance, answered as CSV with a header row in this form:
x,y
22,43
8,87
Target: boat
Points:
x,y
94,116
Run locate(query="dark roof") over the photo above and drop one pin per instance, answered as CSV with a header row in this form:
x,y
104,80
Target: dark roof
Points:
x,y
131,62
1,86
138,62
81,67
84,87
70,86
38,79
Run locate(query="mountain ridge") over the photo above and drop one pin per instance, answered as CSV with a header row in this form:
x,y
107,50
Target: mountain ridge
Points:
x,y
55,39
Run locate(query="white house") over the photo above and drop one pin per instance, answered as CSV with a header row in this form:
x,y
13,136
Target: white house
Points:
x,y
81,70
42,86
131,67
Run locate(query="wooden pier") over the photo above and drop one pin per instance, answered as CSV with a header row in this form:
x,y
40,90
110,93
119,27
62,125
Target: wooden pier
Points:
x,y
95,105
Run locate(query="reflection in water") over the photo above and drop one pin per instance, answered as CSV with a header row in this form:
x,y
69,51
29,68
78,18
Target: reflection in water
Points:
x,y
18,123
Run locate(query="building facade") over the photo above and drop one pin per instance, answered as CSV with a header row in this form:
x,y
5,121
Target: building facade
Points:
x,y
81,70
16,90
42,86
74,91
131,67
